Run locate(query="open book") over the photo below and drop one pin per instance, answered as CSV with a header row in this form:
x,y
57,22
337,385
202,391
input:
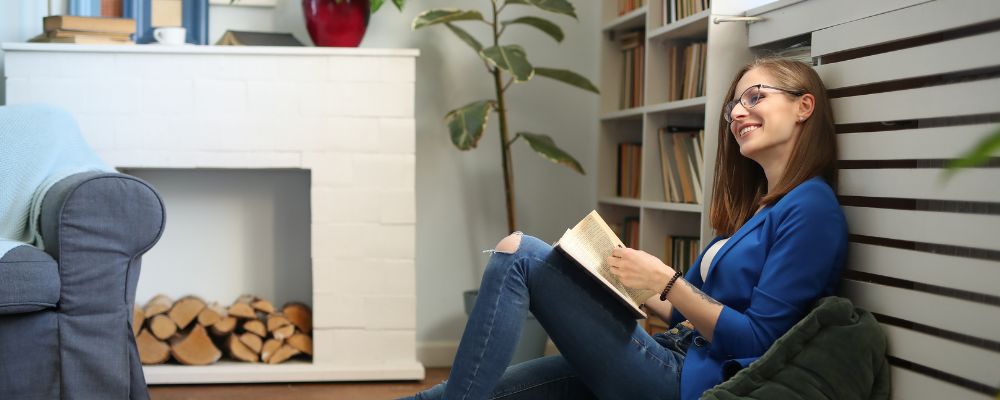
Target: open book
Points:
x,y
590,243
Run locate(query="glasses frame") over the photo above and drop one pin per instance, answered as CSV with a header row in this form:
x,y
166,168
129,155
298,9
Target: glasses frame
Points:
x,y
730,105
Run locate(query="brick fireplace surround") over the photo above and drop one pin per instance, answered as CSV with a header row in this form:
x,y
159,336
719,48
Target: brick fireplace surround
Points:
x,y
347,115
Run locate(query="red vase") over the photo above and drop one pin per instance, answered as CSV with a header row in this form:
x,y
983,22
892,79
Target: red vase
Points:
x,y
336,23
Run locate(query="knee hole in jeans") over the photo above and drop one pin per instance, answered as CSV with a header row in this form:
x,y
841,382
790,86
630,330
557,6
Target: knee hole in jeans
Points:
x,y
509,244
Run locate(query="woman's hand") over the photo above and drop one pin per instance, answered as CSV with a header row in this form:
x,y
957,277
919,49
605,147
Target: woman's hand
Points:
x,y
638,269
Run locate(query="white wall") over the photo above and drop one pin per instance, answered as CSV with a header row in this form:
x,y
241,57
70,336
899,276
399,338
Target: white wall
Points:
x,y
460,206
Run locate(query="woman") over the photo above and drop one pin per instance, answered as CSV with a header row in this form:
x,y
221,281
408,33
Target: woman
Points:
x,y
781,244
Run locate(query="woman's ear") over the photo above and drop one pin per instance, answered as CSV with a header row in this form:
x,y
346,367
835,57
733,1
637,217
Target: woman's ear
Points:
x,y
807,104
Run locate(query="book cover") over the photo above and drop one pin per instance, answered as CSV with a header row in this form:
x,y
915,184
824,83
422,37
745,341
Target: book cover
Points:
x,y
88,24
589,244
246,38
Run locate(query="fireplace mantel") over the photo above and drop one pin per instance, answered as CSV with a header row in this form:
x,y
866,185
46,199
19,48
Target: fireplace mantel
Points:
x,y
347,115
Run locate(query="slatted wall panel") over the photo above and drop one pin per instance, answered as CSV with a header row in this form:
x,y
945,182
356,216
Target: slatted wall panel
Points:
x,y
913,89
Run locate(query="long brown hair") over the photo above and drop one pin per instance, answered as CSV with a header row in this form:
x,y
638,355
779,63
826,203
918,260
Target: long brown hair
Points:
x,y
740,186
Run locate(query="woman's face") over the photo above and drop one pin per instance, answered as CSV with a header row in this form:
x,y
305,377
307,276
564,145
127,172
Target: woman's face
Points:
x,y
766,132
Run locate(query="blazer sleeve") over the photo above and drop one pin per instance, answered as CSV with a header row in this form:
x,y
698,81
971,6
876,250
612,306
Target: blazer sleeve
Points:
x,y
808,244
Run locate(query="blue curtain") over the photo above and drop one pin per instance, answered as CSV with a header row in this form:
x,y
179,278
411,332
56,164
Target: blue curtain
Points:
x,y
194,18
85,8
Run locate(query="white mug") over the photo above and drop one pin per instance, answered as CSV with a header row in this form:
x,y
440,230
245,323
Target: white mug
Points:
x,y
172,35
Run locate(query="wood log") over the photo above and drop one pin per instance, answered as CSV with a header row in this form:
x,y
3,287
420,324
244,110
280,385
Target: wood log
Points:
x,y
211,314
284,332
151,350
224,327
239,351
194,348
275,321
299,315
263,306
270,346
255,326
301,342
282,354
186,310
138,317
162,327
253,342
241,308
159,304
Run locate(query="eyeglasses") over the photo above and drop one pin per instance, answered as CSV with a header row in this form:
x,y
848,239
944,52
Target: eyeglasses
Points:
x,y
752,96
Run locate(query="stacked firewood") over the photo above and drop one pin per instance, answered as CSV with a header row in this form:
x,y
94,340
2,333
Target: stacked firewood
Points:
x,y
195,333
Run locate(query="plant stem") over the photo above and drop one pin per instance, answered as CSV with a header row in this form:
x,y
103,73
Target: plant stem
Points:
x,y
508,172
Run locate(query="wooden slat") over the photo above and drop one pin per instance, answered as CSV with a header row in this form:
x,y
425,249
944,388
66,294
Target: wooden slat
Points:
x,y
967,230
905,23
913,144
799,19
966,98
933,59
969,274
961,316
909,385
958,359
976,184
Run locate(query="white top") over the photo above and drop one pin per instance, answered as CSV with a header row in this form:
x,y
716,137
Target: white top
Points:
x,y
706,261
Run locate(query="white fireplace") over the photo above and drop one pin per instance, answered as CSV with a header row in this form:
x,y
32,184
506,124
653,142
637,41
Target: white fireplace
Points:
x,y
339,120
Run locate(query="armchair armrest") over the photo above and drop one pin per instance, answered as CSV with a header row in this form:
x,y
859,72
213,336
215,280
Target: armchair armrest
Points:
x,y
97,225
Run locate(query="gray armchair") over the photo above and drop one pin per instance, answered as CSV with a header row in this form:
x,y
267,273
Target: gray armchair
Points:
x,y
66,312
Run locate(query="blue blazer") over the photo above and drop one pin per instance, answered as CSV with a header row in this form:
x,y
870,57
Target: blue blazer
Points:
x,y
767,276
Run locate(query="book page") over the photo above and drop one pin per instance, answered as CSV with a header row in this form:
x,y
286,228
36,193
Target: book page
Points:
x,y
593,241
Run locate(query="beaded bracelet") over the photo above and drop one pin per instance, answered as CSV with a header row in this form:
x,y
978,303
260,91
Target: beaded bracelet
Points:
x,y
663,294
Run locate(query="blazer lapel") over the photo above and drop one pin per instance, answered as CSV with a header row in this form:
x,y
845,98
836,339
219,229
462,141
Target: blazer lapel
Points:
x,y
749,226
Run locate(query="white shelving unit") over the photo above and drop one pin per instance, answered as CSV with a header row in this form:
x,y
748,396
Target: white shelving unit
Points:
x,y
727,44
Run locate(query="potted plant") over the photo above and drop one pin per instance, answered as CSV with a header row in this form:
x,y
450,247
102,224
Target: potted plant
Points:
x,y
507,65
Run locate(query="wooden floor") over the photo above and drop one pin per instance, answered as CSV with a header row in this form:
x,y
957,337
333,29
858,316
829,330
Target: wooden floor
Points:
x,y
299,391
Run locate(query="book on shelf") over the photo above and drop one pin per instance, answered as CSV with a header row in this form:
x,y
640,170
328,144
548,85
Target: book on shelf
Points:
x,y
247,38
680,252
681,158
629,170
80,38
632,44
687,70
589,244
88,24
626,6
675,10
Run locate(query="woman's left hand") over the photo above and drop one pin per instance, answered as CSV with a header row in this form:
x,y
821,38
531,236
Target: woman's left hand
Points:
x,y
638,269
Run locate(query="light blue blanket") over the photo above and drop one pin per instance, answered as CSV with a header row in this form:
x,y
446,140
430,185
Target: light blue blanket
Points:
x,y
39,145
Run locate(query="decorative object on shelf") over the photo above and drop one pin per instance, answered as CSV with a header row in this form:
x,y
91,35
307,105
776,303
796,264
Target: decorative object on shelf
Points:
x,y
194,18
245,38
340,23
467,123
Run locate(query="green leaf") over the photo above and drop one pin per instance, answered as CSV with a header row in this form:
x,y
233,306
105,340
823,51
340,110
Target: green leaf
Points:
x,y
568,77
465,36
542,24
546,147
978,155
442,15
468,123
399,4
376,4
555,6
510,58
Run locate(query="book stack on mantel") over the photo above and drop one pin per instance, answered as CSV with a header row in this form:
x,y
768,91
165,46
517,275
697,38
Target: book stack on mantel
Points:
x,y
86,30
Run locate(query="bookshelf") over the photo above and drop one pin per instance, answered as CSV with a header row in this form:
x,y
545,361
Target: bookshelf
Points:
x,y
724,53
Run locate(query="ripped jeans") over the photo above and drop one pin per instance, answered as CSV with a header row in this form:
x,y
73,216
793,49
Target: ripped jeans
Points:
x,y
604,352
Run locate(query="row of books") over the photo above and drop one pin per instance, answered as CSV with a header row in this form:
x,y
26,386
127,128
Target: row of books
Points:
x,y
633,46
681,159
629,170
680,252
687,70
625,6
675,10
86,30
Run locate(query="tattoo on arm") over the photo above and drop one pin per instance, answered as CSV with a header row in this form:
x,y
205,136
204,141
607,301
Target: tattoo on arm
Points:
x,y
702,294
